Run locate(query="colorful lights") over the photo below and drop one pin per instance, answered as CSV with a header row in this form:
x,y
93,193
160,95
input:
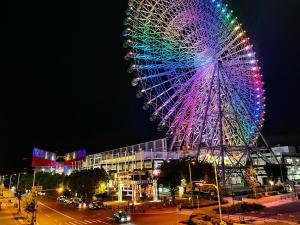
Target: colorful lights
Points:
x,y
237,27
174,61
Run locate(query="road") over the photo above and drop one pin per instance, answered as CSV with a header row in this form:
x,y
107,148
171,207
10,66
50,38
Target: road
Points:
x,y
52,212
282,210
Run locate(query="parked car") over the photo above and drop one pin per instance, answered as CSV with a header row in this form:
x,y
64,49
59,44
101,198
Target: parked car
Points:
x,y
122,217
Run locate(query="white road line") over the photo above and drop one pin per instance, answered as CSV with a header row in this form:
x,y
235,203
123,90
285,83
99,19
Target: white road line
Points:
x,y
57,211
72,223
109,218
88,221
103,222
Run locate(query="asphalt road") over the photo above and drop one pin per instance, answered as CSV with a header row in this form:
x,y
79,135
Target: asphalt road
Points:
x,y
52,212
285,211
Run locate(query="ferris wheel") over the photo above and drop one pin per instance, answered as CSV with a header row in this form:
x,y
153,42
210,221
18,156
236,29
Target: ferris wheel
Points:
x,y
198,72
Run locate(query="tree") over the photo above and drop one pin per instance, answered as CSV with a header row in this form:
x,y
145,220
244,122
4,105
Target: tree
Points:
x,y
274,171
251,179
87,183
47,180
29,202
173,171
1,187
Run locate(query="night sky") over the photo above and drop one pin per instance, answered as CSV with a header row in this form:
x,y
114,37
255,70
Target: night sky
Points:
x,y
64,84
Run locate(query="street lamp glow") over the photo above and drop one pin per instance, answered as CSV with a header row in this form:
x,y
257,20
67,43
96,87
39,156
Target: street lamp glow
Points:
x,y
271,182
60,190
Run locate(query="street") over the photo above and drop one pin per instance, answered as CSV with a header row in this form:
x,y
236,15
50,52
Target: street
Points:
x,y
52,212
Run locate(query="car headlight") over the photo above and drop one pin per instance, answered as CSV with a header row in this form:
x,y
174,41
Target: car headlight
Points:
x,y
122,219
128,218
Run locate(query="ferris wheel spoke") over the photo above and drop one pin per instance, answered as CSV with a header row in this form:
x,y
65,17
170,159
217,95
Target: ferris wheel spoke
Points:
x,y
198,72
248,115
177,92
228,101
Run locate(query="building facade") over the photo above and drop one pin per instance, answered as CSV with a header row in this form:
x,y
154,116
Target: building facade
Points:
x,y
150,155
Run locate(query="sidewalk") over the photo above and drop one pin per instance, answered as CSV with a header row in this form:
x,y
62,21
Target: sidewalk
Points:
x,y
252,219
8,213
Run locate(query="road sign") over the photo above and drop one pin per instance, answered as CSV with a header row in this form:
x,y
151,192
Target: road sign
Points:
x,y
37,188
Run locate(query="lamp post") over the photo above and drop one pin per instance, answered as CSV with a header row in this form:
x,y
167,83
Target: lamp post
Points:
x,y
10,176
216,186
19,174
156,173
33,220
219,201
191,182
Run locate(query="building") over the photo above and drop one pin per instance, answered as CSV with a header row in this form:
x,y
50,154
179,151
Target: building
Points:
x,y
133,161
50,162
290,156
149,156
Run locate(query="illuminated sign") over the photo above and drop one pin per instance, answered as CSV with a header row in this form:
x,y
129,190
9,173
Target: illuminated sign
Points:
x,y
75,159
42,158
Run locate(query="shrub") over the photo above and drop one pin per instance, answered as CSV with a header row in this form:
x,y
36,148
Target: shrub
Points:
x,y
241,208
273,193
257,196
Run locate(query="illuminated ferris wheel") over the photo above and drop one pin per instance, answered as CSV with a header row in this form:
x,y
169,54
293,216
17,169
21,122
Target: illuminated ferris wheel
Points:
x,y
199,74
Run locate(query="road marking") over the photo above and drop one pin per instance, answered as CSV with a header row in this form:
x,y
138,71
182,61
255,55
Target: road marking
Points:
x,y
80,222
72,223
109,218
88,221
102,222
57,211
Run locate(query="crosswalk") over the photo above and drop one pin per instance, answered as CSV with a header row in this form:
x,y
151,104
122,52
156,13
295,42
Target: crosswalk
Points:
x,y
88,221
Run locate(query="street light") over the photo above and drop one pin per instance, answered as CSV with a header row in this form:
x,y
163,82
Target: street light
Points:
x,y
60,190
19,179
218,193
10,176
216,186
191,182
156,173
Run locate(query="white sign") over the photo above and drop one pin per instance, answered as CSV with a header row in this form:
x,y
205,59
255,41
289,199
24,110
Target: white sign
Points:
x,y
38,188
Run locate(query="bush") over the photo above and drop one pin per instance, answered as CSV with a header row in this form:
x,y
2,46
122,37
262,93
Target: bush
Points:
x,y
273,193
205,220
255,197
241,208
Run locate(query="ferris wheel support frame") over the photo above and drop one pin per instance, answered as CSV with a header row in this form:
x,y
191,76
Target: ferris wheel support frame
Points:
x,y
226,172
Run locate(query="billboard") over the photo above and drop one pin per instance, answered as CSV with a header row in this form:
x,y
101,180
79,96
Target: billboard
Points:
x,y
75,158
42,158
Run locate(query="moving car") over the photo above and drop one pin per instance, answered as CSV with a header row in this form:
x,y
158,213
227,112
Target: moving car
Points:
x,y
61,198
96,205
121,217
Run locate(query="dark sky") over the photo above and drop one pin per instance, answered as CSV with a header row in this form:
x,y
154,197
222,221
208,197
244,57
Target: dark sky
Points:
x,y
64,84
